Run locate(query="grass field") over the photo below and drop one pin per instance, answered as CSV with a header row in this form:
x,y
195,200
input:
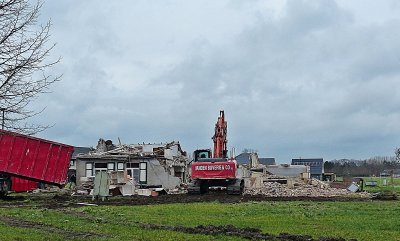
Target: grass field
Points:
x,y
384,184
369,220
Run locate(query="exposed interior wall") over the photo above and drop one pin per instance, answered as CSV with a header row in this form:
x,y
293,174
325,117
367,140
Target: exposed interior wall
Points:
x,y
80,171
156,175
288,170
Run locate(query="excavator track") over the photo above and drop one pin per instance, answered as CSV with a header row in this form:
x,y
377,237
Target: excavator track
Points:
x,y
197,187
236,188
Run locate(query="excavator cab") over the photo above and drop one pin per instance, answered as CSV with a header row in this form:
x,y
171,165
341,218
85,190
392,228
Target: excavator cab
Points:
x,y
200,154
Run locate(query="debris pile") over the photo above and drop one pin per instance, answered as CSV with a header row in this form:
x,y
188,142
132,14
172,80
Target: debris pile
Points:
x,y
300,189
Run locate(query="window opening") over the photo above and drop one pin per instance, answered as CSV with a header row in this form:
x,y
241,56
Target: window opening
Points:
x,y
89,169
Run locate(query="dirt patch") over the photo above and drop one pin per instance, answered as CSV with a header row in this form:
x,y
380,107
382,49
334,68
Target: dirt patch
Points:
x,y
228,230
247,233
57,201
214,197
14,222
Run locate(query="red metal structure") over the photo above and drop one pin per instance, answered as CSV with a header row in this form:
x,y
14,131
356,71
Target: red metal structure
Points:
x,y
219,138
22,185
216,170
33,159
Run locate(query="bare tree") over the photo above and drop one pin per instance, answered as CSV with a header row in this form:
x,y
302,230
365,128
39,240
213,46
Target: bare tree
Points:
x,y
23,51
397,153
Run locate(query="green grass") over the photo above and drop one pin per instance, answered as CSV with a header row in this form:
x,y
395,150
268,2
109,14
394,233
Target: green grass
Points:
x,y
392,184
374,220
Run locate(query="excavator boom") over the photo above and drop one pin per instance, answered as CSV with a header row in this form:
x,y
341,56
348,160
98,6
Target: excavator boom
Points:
x,y
219,138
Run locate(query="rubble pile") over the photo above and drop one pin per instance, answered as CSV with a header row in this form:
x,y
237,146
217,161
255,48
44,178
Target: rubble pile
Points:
x,y
274,189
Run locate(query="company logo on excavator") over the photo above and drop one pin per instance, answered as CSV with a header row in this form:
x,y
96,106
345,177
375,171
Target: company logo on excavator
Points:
x,y
212,167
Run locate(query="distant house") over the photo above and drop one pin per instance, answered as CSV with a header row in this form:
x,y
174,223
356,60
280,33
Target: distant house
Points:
x,y
243,158
389,172
249,159
252,160
316,166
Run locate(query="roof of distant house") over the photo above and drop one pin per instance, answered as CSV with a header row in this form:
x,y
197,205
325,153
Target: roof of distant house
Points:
x,y
307,160
243,158
267,160
80,150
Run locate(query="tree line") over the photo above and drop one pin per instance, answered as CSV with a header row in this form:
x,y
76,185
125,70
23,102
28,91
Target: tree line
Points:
x,y
368,167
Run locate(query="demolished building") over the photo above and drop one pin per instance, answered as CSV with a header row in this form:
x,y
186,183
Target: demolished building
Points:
x,y
146,165
286,170
72,164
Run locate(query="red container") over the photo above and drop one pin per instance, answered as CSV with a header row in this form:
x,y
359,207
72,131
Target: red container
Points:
x,y
34,158
22,185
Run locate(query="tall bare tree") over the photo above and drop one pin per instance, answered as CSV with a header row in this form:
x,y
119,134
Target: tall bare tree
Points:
x,y
397,153
23,51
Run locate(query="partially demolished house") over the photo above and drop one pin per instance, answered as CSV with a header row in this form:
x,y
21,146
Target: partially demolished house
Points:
x,y
72,164
146,165
252,158
286,170
248,159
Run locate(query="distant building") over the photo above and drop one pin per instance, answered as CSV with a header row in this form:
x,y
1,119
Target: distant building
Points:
x,y
249,159
316,166
246,158
389,172
243,158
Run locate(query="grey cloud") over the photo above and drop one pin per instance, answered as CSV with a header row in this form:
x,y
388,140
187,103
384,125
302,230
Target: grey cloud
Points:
x,y
313,82
306,80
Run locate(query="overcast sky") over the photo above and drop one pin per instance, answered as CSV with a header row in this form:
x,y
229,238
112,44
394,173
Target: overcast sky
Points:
x,y
295,78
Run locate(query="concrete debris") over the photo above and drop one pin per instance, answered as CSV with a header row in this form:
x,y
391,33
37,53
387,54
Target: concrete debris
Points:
x,y
87,204
80,192
318,183
300,189
354,187
50,189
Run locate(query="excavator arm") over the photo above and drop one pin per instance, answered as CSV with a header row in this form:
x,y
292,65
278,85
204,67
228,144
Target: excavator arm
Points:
x,y
219,138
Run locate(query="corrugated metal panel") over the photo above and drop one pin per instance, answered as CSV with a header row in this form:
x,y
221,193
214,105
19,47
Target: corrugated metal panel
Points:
x,y
34,158
22,185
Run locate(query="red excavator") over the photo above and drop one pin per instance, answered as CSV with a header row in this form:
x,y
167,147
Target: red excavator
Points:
x,y
217,170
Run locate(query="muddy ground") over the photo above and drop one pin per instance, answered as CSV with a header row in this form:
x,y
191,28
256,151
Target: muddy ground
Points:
x,y
246,233
54,201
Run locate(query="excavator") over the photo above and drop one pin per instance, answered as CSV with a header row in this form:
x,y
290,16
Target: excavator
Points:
x,y
215,170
